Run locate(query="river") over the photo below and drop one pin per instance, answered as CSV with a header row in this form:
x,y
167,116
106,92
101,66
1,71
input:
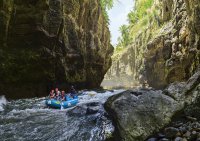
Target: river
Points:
x,y
31,120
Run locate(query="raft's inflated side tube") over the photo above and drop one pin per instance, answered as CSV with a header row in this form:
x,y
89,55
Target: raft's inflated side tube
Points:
x,y
65,104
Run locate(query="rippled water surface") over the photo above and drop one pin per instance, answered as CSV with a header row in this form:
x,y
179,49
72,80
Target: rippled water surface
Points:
x,y
30,119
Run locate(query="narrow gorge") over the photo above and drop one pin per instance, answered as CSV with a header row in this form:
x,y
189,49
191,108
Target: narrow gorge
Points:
x,y
146,87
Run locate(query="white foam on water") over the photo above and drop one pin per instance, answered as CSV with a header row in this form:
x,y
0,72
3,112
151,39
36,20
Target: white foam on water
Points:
x,y
42,123
92,96
3,102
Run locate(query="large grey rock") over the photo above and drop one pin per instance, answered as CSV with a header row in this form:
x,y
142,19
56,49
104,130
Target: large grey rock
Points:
x,y
137,117
137,114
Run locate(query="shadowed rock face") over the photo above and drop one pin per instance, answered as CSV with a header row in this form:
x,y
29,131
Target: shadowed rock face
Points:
x,y
59,42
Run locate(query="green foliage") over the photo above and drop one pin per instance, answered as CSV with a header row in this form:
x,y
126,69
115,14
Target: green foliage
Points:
x,y
144,15
125,37
132,17
141,10
142,7
118,49
106,5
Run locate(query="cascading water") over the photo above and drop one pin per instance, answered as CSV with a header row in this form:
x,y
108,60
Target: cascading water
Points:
x,y
30,119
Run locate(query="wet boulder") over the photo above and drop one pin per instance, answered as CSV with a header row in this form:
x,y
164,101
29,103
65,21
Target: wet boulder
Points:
x,y
137,114
86,109
137,117
92,110
171,132
78,111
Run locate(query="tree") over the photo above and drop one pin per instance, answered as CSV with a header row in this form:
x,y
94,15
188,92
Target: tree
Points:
x,y
106,5
132,17
125,37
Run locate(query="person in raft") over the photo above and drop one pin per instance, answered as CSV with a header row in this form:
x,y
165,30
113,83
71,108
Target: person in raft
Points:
x,y
73,92
57,94
63,96
52,94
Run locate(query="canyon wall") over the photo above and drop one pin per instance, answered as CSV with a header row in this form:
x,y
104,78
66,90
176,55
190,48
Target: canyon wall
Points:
x,y
167,53
50,43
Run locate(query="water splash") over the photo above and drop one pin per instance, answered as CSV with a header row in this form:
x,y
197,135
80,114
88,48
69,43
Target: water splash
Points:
x,y
92,96
42,123
3,102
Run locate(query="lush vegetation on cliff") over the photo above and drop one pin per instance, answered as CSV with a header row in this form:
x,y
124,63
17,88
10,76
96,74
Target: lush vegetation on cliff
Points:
x,y
160,44
143,14
143,24
106,5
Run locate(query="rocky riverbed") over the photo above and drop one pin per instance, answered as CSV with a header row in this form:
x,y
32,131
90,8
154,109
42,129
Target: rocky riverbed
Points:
x,y
187,129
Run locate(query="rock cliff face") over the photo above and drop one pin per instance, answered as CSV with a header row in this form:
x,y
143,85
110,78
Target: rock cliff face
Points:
x,y
44,42
174,54
124,69
167,54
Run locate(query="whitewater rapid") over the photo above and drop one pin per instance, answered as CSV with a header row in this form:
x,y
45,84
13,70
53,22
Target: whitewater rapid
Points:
x,y
30,119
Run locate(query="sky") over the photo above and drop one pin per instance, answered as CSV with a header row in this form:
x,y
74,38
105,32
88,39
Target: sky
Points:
x,y
118,16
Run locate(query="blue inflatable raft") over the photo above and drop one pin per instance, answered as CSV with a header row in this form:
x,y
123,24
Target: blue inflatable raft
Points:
x,y
53,103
